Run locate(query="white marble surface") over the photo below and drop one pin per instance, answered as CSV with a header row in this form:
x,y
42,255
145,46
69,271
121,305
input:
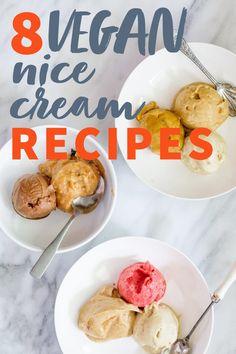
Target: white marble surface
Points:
x,y
204,230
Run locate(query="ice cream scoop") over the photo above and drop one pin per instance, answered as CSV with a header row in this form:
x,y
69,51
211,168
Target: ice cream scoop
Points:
x,y
106,316
154,119
200,105
225,89
210,165
33,197
72,178
141,283
156,328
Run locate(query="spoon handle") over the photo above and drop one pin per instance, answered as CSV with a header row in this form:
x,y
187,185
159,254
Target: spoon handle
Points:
x,y
227,283
218,295
47,256
200,319
186,50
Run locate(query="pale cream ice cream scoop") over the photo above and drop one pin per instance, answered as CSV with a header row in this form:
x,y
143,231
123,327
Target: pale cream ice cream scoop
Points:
x,y
210,165
157,328
33,197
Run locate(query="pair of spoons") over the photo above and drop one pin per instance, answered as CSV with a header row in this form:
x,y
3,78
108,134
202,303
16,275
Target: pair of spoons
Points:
x,y
80,205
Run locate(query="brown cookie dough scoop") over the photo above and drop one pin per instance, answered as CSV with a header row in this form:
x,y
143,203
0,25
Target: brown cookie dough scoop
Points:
x,y
33,197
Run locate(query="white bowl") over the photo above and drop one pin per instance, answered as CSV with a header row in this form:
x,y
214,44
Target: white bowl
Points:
x,y
187,293
37,234
159,78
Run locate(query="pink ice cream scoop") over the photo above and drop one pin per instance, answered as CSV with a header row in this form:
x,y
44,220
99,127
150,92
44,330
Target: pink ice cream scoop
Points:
x,y
141,283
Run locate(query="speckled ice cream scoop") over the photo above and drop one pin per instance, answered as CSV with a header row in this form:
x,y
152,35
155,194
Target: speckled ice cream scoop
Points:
x,y
157,328
210,165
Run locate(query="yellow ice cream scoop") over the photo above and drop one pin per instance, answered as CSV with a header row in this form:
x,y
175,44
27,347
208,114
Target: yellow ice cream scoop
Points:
x,y
148,107
154,119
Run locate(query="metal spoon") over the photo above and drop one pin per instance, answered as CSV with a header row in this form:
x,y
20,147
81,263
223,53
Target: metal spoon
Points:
x,y
81,205
182,346
226,90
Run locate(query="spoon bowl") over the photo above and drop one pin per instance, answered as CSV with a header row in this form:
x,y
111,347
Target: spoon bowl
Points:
x,y
85,205
228,91
181,346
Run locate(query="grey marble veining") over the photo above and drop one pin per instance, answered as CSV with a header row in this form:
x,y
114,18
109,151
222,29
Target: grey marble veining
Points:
x,y
204,230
